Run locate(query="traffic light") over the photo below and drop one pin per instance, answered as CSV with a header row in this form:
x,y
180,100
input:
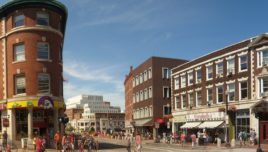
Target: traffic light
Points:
x,y
63,120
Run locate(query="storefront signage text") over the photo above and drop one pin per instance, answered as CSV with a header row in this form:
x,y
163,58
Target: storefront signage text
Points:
x,y
205,116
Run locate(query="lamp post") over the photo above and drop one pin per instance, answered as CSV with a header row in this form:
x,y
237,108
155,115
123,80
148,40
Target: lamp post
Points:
x,y
227,144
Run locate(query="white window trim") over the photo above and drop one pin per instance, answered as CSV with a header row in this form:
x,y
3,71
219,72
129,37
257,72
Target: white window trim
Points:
x,y
49,81
217,67
189,99
182,101
239,64
176,86
207,78
188,78
211,101
217,93
197,81
229,91
240,99
196,98
227,65
167,92
168,73
176,97
181,82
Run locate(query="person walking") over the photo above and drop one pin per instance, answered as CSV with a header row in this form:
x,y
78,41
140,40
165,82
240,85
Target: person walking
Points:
x,y
182,139
138,142
57,141
193,137
4,139
128,145
39,142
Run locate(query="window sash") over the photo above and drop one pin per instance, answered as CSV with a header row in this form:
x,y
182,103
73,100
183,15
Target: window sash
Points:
x,y
18,20
42,19
177,83
43,83
220,94
243,63
184,101
20,84
209,91
43,50
220,68
190,78
209,72
183,81
19,53
244,90
198,75
177,101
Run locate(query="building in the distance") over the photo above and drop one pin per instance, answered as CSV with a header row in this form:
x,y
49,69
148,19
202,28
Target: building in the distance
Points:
x,y
31,36
151,94
237,75
84,112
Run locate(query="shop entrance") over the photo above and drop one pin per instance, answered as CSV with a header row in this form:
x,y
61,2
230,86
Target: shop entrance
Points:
x,y
264,131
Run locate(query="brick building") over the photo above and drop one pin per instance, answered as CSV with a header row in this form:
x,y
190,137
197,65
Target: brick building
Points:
x,y
31,90
236,74
151,94
128,101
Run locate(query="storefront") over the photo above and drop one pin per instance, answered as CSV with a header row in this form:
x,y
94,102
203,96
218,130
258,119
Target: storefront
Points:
x,y
242,121
29,117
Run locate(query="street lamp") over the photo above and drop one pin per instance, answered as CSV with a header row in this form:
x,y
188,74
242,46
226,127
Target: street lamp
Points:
x,y
226,119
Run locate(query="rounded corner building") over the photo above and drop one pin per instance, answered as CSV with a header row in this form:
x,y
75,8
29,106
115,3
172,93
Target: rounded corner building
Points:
x,y
31,82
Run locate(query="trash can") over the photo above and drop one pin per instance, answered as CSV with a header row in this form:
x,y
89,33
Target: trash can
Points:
x,y
24,142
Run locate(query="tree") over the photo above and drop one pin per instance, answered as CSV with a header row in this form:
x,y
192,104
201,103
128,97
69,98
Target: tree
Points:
x,y
69,128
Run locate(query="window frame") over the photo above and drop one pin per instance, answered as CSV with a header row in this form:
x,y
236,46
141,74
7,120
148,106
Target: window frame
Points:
x,y
182,101
16,86
218,74
14,20
39,17
222,93
15,54
190,76
209,95
231,91
49,83
240,64
183,81
176,83
198,80
166,73
38,51
209,73
197,98
230,69
242,89
177,102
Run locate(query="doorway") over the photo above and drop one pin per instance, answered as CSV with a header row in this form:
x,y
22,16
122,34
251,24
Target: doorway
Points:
x,y
264,132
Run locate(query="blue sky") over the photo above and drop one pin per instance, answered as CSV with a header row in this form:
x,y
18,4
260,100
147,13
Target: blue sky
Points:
x,y
105,37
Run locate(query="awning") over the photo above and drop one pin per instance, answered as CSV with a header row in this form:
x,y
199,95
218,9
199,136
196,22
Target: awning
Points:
x,y
210,124
190,125
143,122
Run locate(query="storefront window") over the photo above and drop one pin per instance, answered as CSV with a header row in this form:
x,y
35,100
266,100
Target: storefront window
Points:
x,y
21,123
242,121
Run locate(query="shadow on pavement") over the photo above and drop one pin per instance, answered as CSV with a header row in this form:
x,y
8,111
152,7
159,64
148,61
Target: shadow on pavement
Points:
x,y
110,146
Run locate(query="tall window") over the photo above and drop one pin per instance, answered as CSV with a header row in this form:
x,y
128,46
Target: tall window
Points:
x,y
209,95
230,67
133,82
243,63
262,58
198,98
183,81
43,51
137,80
263,85
19,52
141,95
42,19
145,94
167,92
231,92
243,90
167,110
165,73
198,76
220,94
18,20
184,101
190,78
150,92
177,102
209,72
191,100
145,75
219,67
149,73
141,78
43,83
177,83
137,96
20,84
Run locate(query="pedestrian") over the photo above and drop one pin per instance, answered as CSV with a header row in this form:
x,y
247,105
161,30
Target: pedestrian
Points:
x,y
57,141
240,137
138,142
39,144
128,145
43,147
182,138
72,140
252,137
193,137
4,139
64,142
81,145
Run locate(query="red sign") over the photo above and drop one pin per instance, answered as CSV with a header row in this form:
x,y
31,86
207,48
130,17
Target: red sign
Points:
x,y
160,120
5,122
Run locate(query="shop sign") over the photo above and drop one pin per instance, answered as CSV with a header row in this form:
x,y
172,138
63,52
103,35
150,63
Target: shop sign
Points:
x,y
205,116
5,122
46,102
160,120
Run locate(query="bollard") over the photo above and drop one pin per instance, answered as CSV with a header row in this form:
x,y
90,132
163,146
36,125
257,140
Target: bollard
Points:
x,y
218,142
233,143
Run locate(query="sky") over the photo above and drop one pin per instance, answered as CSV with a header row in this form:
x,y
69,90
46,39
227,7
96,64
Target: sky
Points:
x,y
105,37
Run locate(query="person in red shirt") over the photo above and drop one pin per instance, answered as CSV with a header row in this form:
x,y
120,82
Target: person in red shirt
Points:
x,y
57,141
182,138
39,142
193,137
